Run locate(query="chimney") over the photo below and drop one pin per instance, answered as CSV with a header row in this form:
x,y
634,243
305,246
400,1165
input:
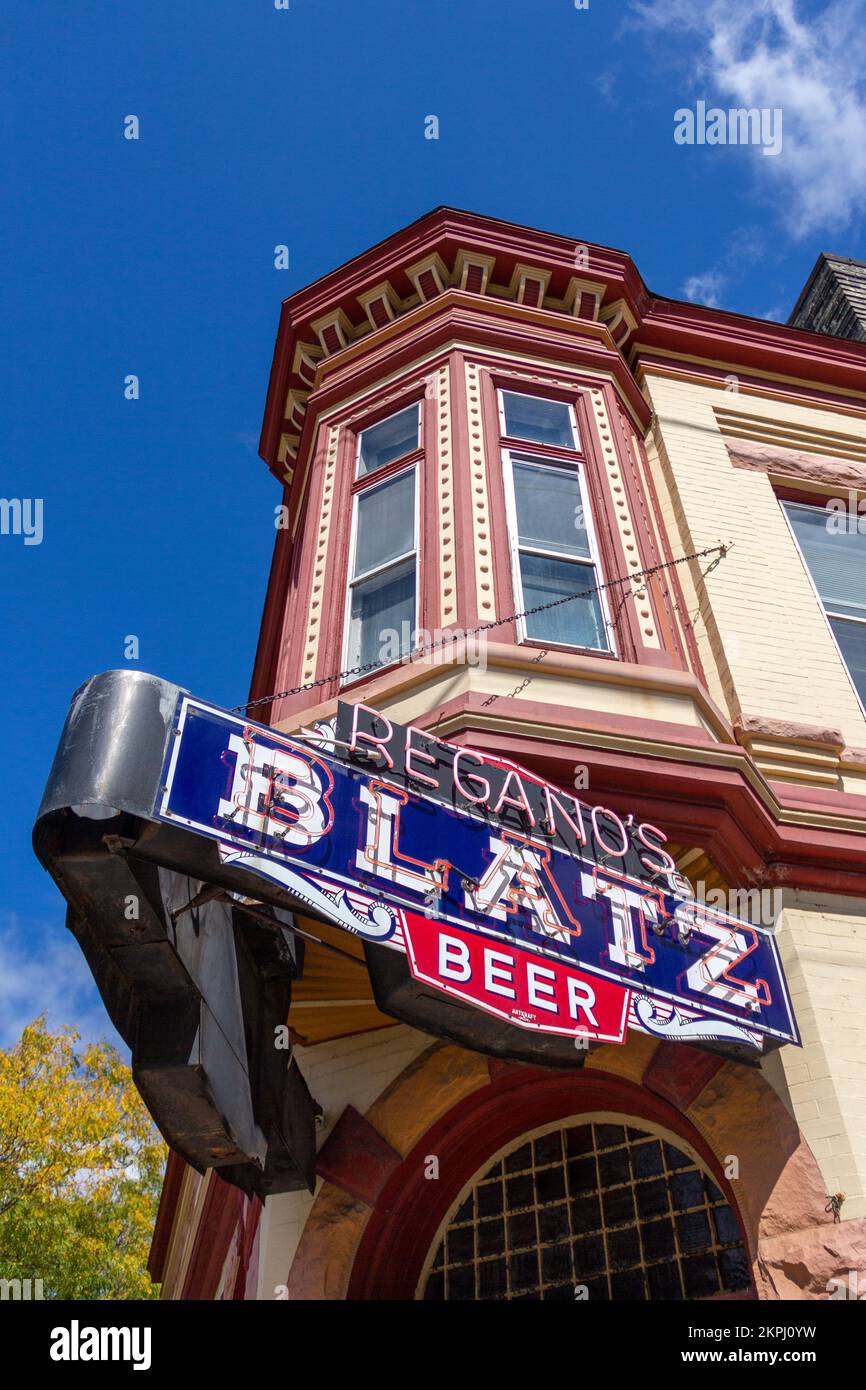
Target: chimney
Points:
x,y
833,300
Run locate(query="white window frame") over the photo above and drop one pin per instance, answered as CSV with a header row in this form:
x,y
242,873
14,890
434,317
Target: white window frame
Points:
x,y
359,476
503,391
509,458
827,615
376,482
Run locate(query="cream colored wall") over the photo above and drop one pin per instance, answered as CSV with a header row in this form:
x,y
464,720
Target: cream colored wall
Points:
x,y
351,1071
761,628
769,654
823,946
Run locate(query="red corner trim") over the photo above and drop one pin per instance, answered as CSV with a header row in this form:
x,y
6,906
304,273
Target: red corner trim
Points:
x,y
678,1073
356,1157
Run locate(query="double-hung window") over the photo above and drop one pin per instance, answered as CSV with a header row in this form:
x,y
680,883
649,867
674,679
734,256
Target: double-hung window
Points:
x,y
834,553
555,561
383,561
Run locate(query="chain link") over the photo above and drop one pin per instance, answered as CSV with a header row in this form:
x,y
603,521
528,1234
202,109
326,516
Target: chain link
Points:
x,y
719,551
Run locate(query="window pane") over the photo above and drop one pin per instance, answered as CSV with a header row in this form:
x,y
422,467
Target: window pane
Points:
x,y
545,422
389,440
549,510
852,640
386,523
383,616
836,559
577,624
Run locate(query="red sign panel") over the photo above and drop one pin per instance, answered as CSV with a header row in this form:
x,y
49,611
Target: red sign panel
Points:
x,y
538,993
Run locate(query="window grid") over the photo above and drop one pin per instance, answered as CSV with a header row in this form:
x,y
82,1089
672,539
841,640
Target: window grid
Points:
x,y
538,1243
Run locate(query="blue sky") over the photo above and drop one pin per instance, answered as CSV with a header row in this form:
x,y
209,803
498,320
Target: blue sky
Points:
x,y
305,126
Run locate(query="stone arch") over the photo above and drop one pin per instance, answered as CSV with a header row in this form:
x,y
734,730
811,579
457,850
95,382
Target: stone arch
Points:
x,y
377,1212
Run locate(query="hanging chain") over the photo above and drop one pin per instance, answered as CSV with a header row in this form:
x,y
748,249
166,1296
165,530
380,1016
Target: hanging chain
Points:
x,y
718,551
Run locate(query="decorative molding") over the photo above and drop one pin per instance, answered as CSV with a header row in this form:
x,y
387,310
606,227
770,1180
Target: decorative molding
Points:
x,y
429,276
794,443
621,322
639,596
480,518
785,751
584,298
380,304
334,331
445,502
473,271
528,285
314,616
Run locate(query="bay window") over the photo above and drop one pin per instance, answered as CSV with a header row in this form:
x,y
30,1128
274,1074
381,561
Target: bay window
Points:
x,y
835,557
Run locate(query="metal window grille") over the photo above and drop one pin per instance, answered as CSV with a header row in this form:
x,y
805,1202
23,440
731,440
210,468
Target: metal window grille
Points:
x,y
605,1208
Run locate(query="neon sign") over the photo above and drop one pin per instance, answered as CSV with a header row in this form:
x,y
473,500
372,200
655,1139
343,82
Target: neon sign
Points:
x,y
495,888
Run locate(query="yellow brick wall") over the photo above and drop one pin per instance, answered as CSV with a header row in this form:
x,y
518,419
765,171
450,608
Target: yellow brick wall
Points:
x,y
823,946
768,652
761,630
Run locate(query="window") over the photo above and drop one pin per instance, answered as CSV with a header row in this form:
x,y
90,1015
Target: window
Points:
x,y
553,553
383,562
619,1210
538,420
388,441
836,560
382,584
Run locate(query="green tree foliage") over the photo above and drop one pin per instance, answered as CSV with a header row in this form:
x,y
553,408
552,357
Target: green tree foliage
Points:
x,y
80,1168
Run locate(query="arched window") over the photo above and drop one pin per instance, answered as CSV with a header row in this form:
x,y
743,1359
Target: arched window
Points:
x,y
601,1208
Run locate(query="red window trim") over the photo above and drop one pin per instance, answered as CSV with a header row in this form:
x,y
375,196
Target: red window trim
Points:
x,y
612,556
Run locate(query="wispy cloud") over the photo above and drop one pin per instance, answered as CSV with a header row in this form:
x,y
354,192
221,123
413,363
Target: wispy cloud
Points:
x,y
745,247
772,53
42,969
704,289
606,81
249,441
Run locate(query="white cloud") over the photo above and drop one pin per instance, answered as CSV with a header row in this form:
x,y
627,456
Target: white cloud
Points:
x,y
42,969
704,289
770,53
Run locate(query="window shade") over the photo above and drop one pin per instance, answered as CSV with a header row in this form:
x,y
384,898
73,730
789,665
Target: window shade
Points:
x,y
836,559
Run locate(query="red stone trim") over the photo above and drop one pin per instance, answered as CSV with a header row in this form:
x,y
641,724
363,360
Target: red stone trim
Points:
x,y
678,1073
829,476
356,1158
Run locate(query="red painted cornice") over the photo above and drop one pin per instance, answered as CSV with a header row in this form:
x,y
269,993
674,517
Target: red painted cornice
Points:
x,y
764,347
661,325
